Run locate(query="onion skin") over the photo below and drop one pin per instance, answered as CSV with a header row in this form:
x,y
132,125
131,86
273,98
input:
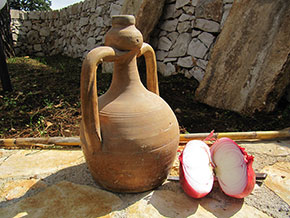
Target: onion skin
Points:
x,y
184,184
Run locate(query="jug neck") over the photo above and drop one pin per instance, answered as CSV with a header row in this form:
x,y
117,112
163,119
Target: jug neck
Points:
x,y
126,74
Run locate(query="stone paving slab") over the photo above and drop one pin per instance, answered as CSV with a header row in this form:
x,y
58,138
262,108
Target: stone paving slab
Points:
x,y
58,183
27,163
278,179
64,199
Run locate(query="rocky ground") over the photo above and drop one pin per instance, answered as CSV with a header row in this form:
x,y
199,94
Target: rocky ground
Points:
x,y
57,183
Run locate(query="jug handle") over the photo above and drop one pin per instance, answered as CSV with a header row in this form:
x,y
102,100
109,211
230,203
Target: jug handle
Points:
x,y
151,67
89,97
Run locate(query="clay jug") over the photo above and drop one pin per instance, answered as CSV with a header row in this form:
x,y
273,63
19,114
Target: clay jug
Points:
x,y
129,135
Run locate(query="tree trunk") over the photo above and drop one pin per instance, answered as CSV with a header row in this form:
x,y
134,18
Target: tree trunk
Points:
x,y
5,31
5,47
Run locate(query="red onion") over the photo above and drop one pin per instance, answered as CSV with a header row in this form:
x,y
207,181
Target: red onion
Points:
x,y
232,168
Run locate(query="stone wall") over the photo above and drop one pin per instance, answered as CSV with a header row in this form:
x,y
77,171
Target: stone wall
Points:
x,y
186,34
182,41
72,31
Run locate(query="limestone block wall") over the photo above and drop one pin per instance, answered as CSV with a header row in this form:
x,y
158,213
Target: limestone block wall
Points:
x,y
72,31
186,34
182,40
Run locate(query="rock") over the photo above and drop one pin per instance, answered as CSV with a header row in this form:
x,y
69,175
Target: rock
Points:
x,y
185,62
197,73
194,2
249,68
160,55
17,188
178,110
170,69
169,11
145,23
189,10
201,63
169,60
44,32
209,9
65,199
26,163
91,43
14,14
107,67
37,47
32,36
184,17
207,25
178,12
173,37
115,9
99,22
34,15
107,20
169,25
27,24
268,148
168,203
195,33
206,38
227,9
131,7
278,179
161,67
180,47
83,21
183,26
165,69
181,3
164,43
196,48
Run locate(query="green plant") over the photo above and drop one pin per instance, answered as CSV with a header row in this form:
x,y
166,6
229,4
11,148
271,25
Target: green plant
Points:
x,y
9,102
48,103
40,126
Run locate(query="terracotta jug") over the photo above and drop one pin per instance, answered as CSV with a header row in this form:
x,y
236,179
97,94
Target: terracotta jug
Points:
x,y
129,135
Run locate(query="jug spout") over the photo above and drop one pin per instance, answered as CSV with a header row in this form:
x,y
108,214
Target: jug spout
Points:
x,y
123,35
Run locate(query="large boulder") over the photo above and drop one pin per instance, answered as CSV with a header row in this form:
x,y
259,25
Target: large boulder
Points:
x,y
249,68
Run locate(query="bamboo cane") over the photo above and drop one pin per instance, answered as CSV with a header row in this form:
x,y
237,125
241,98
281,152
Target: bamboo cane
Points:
x,y
259,135
75,141
40,142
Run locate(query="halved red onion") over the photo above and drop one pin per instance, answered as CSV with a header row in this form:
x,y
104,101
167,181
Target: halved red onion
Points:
x,y
196,175
233,168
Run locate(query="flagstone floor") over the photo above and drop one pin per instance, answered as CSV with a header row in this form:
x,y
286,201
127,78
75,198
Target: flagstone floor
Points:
x,y
57,183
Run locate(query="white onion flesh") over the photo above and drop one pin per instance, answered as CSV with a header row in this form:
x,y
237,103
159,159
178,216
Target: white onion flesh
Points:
x,y
197,166
231,168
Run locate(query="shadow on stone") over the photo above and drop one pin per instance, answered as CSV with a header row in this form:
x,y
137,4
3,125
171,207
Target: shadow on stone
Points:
x,y
72,191
69,192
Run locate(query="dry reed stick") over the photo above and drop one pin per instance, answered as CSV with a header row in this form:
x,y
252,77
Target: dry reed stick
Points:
x,y
75,141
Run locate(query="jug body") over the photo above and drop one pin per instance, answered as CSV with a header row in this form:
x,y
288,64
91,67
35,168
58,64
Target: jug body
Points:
x,y
139,132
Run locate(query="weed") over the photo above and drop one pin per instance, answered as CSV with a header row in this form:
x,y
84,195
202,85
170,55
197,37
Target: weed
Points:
x,y
48,103
9,102
40,126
